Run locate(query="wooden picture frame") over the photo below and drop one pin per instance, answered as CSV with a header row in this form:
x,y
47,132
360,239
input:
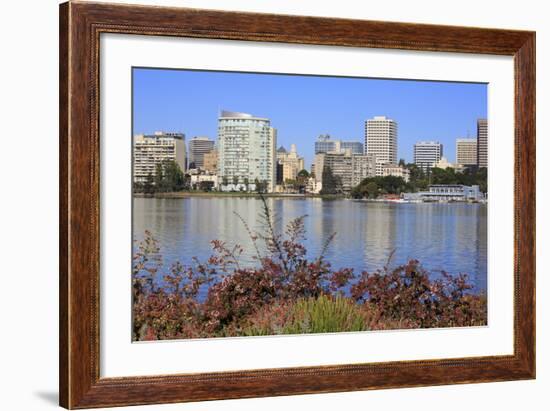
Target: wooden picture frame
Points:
x,y
80,27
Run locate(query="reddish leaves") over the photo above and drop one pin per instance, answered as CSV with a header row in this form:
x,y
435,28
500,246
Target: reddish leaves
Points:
x,y
403,297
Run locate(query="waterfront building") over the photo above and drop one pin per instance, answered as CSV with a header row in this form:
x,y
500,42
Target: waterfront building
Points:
x,y
154,149
381,140
379,167
198,179
313,186
246,151
362,166
318,164
340,165
466,151
349,168
447,192
210,161
198,147
395,170
325,144
427,154
482,154
290,161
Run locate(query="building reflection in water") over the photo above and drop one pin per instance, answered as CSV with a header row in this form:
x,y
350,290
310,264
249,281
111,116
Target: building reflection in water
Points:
x,y
450,237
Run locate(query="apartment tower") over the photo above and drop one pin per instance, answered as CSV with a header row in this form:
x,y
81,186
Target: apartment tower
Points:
x,y
154,149
381,140
246,150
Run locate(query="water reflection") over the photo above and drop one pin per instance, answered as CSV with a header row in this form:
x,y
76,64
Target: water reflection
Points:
x,y
451,237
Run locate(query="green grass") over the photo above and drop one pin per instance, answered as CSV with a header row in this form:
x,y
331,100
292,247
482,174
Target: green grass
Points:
x,y
312,315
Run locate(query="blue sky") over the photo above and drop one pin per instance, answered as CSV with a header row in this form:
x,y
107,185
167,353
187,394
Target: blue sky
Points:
x,y
303,107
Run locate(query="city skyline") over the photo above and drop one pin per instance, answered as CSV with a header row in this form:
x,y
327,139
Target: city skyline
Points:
x,y
423,110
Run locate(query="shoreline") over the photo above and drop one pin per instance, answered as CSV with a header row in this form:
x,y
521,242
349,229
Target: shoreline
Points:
x,y
185,194
218,194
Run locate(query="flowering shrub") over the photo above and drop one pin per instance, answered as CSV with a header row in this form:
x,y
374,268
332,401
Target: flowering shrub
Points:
x,y
287,293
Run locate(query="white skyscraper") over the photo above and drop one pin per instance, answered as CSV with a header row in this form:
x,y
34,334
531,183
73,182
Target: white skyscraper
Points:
x,y
381,140
246,151
427,154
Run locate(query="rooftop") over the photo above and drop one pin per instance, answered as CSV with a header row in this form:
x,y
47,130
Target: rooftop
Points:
x,y
235,114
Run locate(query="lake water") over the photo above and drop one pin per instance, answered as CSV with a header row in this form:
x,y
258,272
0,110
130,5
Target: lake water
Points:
x,y
450,237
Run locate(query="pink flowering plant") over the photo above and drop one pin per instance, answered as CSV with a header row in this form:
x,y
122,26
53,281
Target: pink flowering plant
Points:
x,y
288,293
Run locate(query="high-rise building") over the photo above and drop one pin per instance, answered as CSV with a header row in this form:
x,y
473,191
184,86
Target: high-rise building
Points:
x,y
154,149
381,140
362,166
349,169
355,147
210,161
198,147
427,154
482,154
466,151
291,162
325,144
246,151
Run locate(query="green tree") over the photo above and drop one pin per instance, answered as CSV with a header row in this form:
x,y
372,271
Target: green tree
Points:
x,y
261,186
391,184
149,184
173,177
481,179
187,182
373,186
206,185
371,189
291,184
418,180
330,183
443,176
301,181
159,177
303,173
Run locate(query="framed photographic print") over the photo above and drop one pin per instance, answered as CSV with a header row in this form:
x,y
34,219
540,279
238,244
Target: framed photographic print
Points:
x,y
256,205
